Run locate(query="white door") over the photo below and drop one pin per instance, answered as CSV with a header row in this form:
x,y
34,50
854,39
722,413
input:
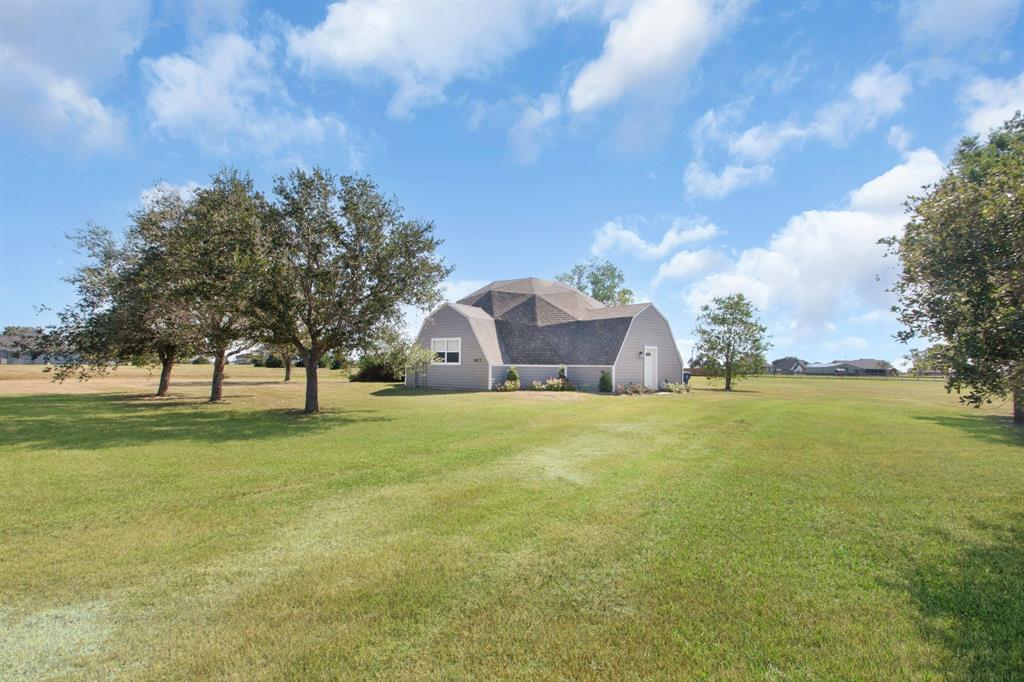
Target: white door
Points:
x,y
651,367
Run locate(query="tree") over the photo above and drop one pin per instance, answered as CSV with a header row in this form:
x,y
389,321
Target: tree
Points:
x,y
392,356
731,342
342,261
962,257
218,250
127,308
602,280
927,361
19,330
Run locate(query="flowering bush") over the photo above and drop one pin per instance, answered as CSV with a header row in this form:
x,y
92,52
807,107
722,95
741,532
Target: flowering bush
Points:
x,y
677,388
537,385
507,386
635,389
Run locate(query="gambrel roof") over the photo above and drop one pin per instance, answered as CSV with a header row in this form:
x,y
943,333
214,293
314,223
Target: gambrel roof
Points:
x,y
539,322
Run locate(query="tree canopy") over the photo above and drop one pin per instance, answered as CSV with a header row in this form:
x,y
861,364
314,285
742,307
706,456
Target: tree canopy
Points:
x,y
602,280
342,261
962,257
731,342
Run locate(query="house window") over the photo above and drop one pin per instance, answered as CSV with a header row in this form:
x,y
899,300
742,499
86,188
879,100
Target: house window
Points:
x,y
446,351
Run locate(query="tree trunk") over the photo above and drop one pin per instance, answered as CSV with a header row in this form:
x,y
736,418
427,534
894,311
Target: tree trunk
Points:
x,y
1018,406
166,365
728,377
217,386
312,388
287,367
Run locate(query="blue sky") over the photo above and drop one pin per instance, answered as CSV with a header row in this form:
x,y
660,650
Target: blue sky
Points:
x,y
705,148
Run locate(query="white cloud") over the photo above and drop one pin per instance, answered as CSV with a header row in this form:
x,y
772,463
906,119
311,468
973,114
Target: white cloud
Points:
x,y
701,182
654,43
899,138
57,57
533,127
988,102
205,17
885,194
686,264
185,191
614,237
822,262
225,93
420,46
948,25
872,96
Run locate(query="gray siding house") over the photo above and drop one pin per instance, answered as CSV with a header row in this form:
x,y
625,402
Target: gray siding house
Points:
x,y
538,326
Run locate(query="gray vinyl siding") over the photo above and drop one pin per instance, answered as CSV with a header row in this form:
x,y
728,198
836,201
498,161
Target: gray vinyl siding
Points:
x,y
527,375
471,374
586,378
649,328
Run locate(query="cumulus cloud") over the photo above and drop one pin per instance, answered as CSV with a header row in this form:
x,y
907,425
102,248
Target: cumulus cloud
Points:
x,y
701,182
224,93
988,102
652,43
533,127
872,96
949,25
185,191
612,236
686,264
56,59
420,47
821,262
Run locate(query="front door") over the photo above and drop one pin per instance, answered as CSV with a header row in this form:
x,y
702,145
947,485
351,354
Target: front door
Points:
x,y
651,367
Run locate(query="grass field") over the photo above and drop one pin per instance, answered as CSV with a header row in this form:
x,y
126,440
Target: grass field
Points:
x,y
796,529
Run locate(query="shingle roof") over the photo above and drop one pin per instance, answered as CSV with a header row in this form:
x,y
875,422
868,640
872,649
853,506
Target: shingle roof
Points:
x,y
540,322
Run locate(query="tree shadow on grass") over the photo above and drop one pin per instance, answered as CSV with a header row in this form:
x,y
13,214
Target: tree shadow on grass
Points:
x,y
973,602
94,422
990,428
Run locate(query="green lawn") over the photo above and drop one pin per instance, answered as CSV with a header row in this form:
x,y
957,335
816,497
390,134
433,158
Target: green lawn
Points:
x,y
796,529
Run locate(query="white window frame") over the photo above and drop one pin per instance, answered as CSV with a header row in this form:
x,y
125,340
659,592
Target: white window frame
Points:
x,y
446,339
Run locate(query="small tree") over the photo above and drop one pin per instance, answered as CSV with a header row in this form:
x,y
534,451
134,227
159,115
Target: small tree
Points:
x,y
731,342
342,261
602,280
962,280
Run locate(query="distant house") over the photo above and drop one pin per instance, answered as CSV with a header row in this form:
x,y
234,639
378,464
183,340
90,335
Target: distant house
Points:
x,y
787,365
861,367
14,350
538,326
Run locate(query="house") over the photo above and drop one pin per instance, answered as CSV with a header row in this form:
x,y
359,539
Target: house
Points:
x,y
538,326
15,349
787,365
861,367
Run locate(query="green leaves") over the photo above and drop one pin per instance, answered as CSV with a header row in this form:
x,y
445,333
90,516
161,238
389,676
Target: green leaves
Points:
x,y
731,342
963,266
602,280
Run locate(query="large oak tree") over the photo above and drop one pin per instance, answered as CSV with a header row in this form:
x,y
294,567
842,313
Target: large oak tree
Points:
x,y
218,252
127,308
342,261
962,281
